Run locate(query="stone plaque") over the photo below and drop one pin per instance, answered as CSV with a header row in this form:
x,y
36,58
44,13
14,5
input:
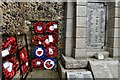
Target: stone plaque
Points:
x,y
85,75
96,25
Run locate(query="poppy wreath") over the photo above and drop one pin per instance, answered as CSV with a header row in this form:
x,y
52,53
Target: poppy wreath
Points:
x,y
49,63
39,52
39,27
49,40
10,67
51,52
51,27
23,55
37,63
36,40
25,68
9,46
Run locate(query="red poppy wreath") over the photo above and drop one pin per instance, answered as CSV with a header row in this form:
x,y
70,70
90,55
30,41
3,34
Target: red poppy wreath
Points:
x,y
10,67
51,52
51,27
23,55
49,40
36,40
37,63
39,27
9,46
25,68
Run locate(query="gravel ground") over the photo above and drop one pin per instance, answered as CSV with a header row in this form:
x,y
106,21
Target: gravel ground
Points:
x,y
44,74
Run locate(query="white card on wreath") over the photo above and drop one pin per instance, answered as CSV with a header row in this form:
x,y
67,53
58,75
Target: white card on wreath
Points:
x,y
55,26
38,62
50,38
10,67
5,52
6,65
50,51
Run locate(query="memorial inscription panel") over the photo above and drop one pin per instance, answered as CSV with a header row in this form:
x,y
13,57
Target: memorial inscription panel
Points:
x,y
86,75
96,25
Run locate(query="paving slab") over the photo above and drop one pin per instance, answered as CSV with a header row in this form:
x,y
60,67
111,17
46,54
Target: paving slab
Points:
x,y
104,69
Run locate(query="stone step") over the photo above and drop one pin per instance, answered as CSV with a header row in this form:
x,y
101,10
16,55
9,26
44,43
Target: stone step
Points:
x,y
63,71
91,53
71,63
79,63
98,68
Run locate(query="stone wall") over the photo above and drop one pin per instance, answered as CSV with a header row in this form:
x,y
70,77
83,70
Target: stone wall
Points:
x,y
17,17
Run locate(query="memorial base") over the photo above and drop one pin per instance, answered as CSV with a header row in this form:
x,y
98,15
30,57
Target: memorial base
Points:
x,y
63,72
86,66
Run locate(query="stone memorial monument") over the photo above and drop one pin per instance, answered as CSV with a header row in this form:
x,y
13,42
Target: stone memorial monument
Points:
x,y
90,30
92,27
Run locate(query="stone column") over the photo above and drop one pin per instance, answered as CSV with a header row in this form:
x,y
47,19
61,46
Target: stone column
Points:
x,y
69,28
80,30
116,46
113,28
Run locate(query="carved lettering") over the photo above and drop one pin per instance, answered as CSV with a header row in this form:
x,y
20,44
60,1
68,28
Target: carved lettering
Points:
x,y
95,25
